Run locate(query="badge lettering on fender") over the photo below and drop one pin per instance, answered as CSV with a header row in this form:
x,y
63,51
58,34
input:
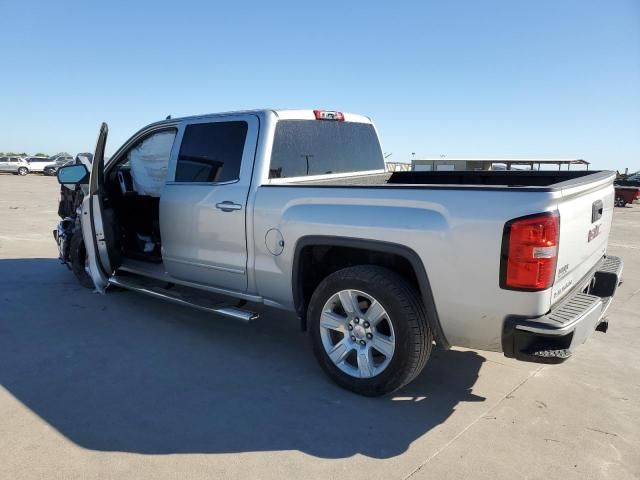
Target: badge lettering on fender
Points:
x,y
593,233
562,271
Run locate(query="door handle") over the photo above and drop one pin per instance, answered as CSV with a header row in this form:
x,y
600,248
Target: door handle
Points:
x,y
228,206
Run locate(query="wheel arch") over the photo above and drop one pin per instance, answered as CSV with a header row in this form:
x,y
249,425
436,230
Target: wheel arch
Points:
x,y
305,246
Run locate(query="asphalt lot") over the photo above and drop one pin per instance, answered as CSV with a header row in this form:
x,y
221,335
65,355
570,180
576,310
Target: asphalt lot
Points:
x,y
124,386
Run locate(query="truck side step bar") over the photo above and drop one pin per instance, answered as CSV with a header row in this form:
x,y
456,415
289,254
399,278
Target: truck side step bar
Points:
x,y
200,302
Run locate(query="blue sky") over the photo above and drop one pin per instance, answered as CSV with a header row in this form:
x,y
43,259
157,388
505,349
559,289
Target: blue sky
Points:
x,y
459,78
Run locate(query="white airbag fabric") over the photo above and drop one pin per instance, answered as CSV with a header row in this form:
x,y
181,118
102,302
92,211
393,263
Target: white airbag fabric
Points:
x,y
149,161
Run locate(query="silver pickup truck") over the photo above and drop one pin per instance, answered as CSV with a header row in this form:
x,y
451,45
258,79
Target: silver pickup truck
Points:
x,y
293,209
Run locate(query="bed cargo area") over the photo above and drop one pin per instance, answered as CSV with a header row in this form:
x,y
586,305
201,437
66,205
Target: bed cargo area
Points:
x,y
547,180
508,178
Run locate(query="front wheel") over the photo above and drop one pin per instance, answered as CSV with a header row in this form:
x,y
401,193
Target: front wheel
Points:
x,y
369,329
79,260
22,171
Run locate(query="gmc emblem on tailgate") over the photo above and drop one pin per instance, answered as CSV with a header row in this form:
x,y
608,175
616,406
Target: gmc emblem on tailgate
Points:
x,y
593,233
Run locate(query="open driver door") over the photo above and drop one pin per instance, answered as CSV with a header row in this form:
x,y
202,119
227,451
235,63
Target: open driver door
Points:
x,y
97,221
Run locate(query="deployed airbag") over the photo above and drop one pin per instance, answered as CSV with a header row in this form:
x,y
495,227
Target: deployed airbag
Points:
x,y
148,162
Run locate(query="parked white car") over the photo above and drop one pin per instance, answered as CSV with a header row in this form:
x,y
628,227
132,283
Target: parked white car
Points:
x,y
37,164
15,165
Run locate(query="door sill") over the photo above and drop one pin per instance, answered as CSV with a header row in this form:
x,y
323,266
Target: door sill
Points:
x,y
157,271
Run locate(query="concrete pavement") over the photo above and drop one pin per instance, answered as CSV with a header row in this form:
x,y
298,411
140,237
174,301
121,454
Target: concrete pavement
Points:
x,y
124,386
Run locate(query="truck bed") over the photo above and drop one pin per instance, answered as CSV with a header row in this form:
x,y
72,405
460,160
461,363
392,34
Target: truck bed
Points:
x,y
493,179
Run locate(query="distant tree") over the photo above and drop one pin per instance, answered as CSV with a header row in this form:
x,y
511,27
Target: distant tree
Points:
x,y
8,154
41,155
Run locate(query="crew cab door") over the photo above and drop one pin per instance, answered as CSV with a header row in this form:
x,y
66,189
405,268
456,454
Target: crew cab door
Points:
x,y
96,227
203,205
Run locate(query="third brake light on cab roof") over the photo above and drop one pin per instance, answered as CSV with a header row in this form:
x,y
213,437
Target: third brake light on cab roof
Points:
x,y
329,115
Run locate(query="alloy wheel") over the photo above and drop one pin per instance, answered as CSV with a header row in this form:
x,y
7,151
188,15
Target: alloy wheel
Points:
x,y
357,334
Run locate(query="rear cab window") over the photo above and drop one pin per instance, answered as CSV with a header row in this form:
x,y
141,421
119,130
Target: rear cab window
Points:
x,y
304,148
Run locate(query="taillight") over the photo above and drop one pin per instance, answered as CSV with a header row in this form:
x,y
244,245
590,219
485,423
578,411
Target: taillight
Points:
x,y
328,115
530,252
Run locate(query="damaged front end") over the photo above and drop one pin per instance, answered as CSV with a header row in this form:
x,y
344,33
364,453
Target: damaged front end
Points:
x,y
62,235
69,209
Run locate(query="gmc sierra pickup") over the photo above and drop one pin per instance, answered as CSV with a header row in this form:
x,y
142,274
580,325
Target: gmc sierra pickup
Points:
x,y
294,210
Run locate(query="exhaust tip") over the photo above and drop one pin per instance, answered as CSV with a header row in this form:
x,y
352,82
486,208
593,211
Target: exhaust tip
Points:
x,y
603,326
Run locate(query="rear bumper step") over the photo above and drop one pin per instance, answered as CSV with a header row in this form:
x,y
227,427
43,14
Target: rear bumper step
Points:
x,y
553,337
548,355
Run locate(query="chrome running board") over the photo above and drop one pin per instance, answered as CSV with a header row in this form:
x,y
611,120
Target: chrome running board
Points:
x,y
200,302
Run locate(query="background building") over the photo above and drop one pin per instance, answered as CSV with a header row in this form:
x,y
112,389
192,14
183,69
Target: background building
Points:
x,y
443,164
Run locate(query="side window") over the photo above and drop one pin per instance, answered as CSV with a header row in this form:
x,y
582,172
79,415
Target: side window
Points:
x,y
211,152
148,161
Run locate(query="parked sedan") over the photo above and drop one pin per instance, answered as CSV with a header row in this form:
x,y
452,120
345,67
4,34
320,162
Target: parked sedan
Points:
x,y
52,168
15,165
61,160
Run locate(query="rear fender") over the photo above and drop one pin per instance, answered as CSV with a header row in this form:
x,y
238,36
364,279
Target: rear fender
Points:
x,y
377,246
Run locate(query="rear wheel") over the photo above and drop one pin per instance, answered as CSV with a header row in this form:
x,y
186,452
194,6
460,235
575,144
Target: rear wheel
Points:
x,y
22,171
369,329
620,202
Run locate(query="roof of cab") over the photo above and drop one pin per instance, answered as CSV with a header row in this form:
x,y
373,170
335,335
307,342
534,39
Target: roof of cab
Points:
x,y
283,114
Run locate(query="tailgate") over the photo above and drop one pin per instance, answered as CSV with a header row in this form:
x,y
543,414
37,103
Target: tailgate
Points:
x,y
586,212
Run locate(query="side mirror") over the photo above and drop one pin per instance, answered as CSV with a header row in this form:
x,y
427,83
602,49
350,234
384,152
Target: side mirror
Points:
x,y
73,174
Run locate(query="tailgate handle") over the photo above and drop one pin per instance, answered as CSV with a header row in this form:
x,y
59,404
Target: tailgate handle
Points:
x,y
596,211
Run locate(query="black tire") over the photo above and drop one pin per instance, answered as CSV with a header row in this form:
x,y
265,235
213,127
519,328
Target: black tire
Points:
x,y
620,202
22,171
77,255
406,312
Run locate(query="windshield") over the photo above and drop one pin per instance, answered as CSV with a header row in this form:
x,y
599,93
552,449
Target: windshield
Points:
x,y
314,147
